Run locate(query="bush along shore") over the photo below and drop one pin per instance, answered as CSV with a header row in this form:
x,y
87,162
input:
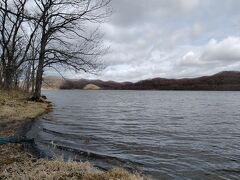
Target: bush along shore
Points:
x,y
16,112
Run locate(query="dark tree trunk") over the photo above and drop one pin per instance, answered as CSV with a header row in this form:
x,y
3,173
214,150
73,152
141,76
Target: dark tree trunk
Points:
x,y
27,83
1,77
33,81
33,72
8,78
39,76
16,81
38,84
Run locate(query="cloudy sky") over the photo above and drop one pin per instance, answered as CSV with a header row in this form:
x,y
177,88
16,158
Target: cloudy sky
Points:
x,y
170,38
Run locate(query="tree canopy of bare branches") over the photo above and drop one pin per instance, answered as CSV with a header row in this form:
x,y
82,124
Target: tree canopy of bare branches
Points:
x,y
39,34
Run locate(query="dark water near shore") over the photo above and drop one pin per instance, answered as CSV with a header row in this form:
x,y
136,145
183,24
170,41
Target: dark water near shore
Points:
x,y
167,135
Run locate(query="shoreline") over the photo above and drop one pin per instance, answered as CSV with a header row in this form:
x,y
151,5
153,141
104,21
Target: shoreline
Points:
x,y
27,126
22,161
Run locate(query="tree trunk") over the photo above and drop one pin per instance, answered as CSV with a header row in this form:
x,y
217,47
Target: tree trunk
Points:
x,y
38,83
39,76
16,81
8,78
1,76
33,80
27,83
33,73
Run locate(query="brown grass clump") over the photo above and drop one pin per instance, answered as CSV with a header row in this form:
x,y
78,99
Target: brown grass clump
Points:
x,y
115,174
19,165
59,170
15,110
14,106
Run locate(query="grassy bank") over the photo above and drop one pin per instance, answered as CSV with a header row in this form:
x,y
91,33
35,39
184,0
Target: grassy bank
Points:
x,y
15,163
15,110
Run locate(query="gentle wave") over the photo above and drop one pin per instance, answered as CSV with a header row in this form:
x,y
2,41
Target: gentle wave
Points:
x,y
172,135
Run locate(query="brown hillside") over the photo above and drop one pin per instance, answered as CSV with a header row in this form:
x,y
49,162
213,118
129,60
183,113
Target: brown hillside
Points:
x,y
227,80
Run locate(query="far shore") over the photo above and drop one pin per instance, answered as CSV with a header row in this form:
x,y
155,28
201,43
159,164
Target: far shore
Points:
x,y
222,81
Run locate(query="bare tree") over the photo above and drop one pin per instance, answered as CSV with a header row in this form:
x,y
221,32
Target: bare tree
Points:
x,y
62,21
13,41
36,34
10,39
17,30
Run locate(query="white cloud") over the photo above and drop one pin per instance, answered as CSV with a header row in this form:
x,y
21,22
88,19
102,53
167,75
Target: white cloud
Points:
x,y
211,58
227,50
190,59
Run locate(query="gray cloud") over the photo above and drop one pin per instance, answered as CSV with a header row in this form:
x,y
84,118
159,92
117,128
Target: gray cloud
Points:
x,y
170,38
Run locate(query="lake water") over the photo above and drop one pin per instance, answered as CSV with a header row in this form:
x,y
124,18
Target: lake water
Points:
x,y
163,134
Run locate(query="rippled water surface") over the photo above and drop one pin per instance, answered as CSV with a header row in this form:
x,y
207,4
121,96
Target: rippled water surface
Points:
x,y
166,135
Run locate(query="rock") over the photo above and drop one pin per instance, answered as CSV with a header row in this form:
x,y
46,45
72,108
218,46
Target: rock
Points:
x,y
44,97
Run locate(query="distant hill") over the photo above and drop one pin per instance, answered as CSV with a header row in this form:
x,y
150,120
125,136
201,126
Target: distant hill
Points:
x,y
80,84
227,80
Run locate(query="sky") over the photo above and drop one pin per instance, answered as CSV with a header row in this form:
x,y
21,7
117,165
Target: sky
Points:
x,y
169,39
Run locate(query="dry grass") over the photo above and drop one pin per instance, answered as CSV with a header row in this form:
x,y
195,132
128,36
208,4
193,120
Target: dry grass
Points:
x,y
14,106
15,110
24,166
17,164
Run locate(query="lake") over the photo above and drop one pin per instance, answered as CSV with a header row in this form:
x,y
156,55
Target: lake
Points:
x,y
162,134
